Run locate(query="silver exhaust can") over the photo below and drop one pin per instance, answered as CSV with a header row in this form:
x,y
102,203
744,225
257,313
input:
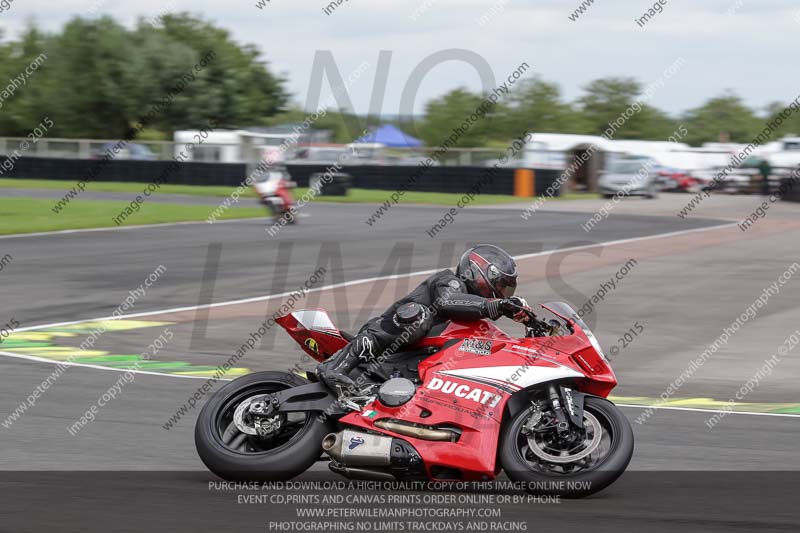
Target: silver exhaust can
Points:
x,y
356,448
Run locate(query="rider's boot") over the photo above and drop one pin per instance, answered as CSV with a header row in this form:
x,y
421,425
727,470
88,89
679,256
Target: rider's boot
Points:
x,y
334,372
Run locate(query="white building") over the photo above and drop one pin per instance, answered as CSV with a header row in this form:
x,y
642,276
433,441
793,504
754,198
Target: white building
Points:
x,y
588,155
231,146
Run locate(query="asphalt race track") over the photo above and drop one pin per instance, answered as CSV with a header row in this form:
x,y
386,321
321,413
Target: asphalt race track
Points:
x,y
86,275
691,279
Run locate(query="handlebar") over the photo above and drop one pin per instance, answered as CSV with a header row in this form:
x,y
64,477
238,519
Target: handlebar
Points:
x,y
534,325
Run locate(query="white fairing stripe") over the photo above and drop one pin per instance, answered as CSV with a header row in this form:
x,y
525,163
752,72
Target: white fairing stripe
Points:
x,y
315,319
525,376
496,383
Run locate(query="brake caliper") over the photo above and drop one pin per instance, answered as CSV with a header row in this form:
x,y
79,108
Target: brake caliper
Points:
x,y
257,416
265,424
533,420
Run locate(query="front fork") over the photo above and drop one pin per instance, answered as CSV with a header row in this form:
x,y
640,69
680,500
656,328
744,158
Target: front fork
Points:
x,y
567,404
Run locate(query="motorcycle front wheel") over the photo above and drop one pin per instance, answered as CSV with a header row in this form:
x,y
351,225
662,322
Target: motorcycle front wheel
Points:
x,y
533,453
237,445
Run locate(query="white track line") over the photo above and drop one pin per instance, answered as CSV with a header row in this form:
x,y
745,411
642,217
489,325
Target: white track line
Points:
x,y
161,374
327,287
97,367
362,281
699,410
121,228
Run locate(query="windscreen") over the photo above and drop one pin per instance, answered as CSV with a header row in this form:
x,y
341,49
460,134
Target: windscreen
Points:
x,y
564,310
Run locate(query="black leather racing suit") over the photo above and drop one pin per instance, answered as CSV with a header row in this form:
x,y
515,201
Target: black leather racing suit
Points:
x,y
441,297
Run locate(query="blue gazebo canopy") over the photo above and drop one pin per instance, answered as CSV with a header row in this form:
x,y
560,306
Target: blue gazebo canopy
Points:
x,y
390,136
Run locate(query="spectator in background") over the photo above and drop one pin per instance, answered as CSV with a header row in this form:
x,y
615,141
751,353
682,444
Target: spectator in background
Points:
x,y
764,170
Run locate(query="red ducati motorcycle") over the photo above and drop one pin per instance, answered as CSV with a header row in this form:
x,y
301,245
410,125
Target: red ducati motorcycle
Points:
x,y
274,189
465,403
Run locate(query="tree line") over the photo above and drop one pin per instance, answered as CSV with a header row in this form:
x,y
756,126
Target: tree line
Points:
x,y
537,105
99,77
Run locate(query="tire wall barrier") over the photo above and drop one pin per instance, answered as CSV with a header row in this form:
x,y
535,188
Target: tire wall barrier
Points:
x,y
74,170
435,179
792,189
389,178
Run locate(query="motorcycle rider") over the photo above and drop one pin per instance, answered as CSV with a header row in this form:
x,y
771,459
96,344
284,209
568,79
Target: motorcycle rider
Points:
x,y
273,184
482,286
273,188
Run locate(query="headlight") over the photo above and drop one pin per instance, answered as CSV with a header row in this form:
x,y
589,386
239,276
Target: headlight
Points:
x,y
595,344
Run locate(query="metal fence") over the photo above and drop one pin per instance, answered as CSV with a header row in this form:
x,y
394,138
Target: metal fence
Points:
x,y
85,148
230,153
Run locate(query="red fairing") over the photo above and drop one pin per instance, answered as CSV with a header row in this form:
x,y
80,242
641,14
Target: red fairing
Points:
x,y
285,194
314,332
470,391
468,383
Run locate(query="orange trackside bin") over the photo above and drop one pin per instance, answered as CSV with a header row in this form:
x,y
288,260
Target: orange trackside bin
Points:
x,y
524,182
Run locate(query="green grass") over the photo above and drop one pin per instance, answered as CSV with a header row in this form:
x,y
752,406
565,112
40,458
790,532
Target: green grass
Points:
x,y
110,186
30,215
354,196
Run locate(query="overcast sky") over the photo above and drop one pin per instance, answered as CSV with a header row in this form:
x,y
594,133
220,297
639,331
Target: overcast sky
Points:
x,y
749,46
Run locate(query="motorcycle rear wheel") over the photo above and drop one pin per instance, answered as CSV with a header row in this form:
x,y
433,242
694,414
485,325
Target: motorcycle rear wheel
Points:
x,y
607,450
238,456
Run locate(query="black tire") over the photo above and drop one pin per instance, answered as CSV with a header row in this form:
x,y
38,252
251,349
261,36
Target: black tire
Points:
x,y
608,196
569,485
279,464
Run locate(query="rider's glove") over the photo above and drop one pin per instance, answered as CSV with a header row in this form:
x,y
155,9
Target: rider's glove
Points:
x,y
510,307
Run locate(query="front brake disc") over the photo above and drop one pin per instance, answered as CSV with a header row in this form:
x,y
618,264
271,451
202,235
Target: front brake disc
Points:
x,y
540,449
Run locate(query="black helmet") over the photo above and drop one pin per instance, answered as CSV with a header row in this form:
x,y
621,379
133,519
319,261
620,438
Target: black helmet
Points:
x,y
488,271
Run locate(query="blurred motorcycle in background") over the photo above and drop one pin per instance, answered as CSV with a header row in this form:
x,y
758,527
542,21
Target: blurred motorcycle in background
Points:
x,y
273,187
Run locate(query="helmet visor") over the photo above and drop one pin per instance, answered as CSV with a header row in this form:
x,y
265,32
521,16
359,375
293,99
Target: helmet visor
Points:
x,y
505,285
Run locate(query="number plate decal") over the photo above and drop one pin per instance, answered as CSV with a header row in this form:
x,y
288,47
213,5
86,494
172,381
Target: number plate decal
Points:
x,y
476,346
